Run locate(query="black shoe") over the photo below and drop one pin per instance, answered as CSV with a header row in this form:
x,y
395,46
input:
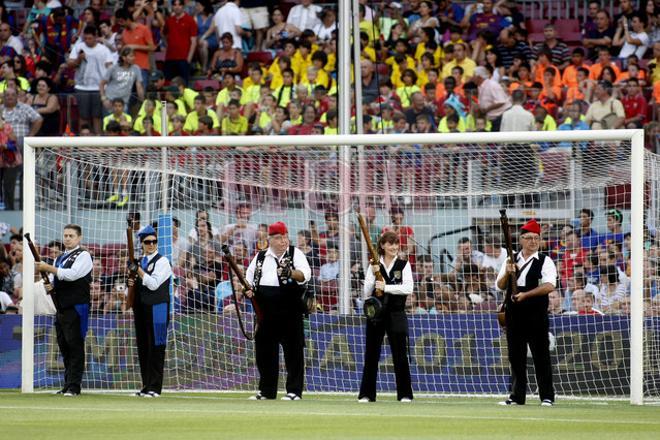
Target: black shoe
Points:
x,y
62,391
260,396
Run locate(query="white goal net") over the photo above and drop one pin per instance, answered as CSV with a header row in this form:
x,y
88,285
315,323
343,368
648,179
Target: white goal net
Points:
x,y
441,193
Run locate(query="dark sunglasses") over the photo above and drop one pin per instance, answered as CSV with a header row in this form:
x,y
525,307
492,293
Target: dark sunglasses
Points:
x,y
150,242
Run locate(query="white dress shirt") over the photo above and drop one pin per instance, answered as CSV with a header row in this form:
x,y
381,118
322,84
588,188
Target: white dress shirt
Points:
x,y
81,267
162,272
548,271
269,268
405,288
304,17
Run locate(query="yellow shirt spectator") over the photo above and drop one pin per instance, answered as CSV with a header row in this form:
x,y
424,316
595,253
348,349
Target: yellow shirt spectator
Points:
x,y
192,121
405,93
234,127
467,64
112,117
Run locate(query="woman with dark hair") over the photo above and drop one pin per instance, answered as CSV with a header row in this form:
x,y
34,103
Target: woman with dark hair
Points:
x,y
328,25
493,62
396,286
89,17
204,18
47,105
226,59
607,74
280,32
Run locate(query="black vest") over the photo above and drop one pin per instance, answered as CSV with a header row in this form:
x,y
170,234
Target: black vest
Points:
x,y
70,293
394,303
532,281
284,298
151,297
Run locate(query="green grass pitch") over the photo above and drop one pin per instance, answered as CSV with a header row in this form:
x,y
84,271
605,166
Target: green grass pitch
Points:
x,y
232,416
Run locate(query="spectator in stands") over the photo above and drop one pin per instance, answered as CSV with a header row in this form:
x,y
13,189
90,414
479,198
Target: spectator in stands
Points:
x,y
280,32
590,19
201,214
419,107
233,123
200,110
47,105
308,119
228,19
324,30
56,33
305,15
605,111
555,303
7,40
493,100
634,105
517,118
24,121
601,36
604,61
181,34
242,230
632,41
204,18
558,49
460,60
583,303
138,37
227,58
475,21
120,79
626,14
574,118
370,90
255,13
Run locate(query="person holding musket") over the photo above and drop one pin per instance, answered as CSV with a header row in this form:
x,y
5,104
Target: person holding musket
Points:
x,y
151,311
526,315
397,285
72,272
279,275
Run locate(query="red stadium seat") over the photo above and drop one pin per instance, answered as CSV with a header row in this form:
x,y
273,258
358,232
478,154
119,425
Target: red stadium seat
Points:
x,y
264,58
200,84
568,30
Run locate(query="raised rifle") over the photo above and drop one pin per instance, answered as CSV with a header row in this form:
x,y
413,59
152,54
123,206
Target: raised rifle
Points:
x,y
373,305
241,278
512,283
37,258
130,298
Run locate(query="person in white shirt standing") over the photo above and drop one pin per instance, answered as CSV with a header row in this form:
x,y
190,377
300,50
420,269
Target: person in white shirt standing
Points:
x,y
229,18
91,61
305,15
517,118
279,275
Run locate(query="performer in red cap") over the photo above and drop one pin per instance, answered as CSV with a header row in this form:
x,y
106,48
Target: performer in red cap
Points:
x,y
279,275
527,315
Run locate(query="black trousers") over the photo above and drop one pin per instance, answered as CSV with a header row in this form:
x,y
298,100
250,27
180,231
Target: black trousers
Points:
x,y
285,329
395,325
524,328
72,347
150,355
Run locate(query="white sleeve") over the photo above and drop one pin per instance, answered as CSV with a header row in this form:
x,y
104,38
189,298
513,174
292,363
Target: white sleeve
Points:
x,y
81,267
549,272
162,272
249,273
300,263
406,287
501,274
73,54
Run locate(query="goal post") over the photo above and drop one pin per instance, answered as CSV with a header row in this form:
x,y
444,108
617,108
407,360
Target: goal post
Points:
x,y
442,182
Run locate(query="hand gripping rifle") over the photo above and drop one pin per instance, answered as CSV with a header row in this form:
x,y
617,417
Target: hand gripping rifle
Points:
x,y
37,258
373,305
512,283
233,267
130,298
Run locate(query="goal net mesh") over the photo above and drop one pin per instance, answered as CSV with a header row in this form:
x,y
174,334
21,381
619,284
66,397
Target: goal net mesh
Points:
x,y
444,202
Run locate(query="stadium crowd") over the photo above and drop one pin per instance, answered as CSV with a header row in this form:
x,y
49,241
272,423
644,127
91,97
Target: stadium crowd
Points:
x,y
254,67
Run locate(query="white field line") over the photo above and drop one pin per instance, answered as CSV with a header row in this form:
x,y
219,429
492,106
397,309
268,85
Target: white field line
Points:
x,y
281,411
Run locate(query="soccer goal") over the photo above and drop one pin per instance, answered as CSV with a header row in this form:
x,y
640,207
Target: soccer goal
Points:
x,y
594,192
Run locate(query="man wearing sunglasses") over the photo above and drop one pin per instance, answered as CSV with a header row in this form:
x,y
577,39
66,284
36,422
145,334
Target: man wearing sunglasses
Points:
x,y
151,311
535,275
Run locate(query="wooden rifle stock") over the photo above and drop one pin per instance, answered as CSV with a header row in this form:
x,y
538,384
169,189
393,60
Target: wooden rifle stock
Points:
x,y
512,283
241,278
130,298
37,259
373,255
